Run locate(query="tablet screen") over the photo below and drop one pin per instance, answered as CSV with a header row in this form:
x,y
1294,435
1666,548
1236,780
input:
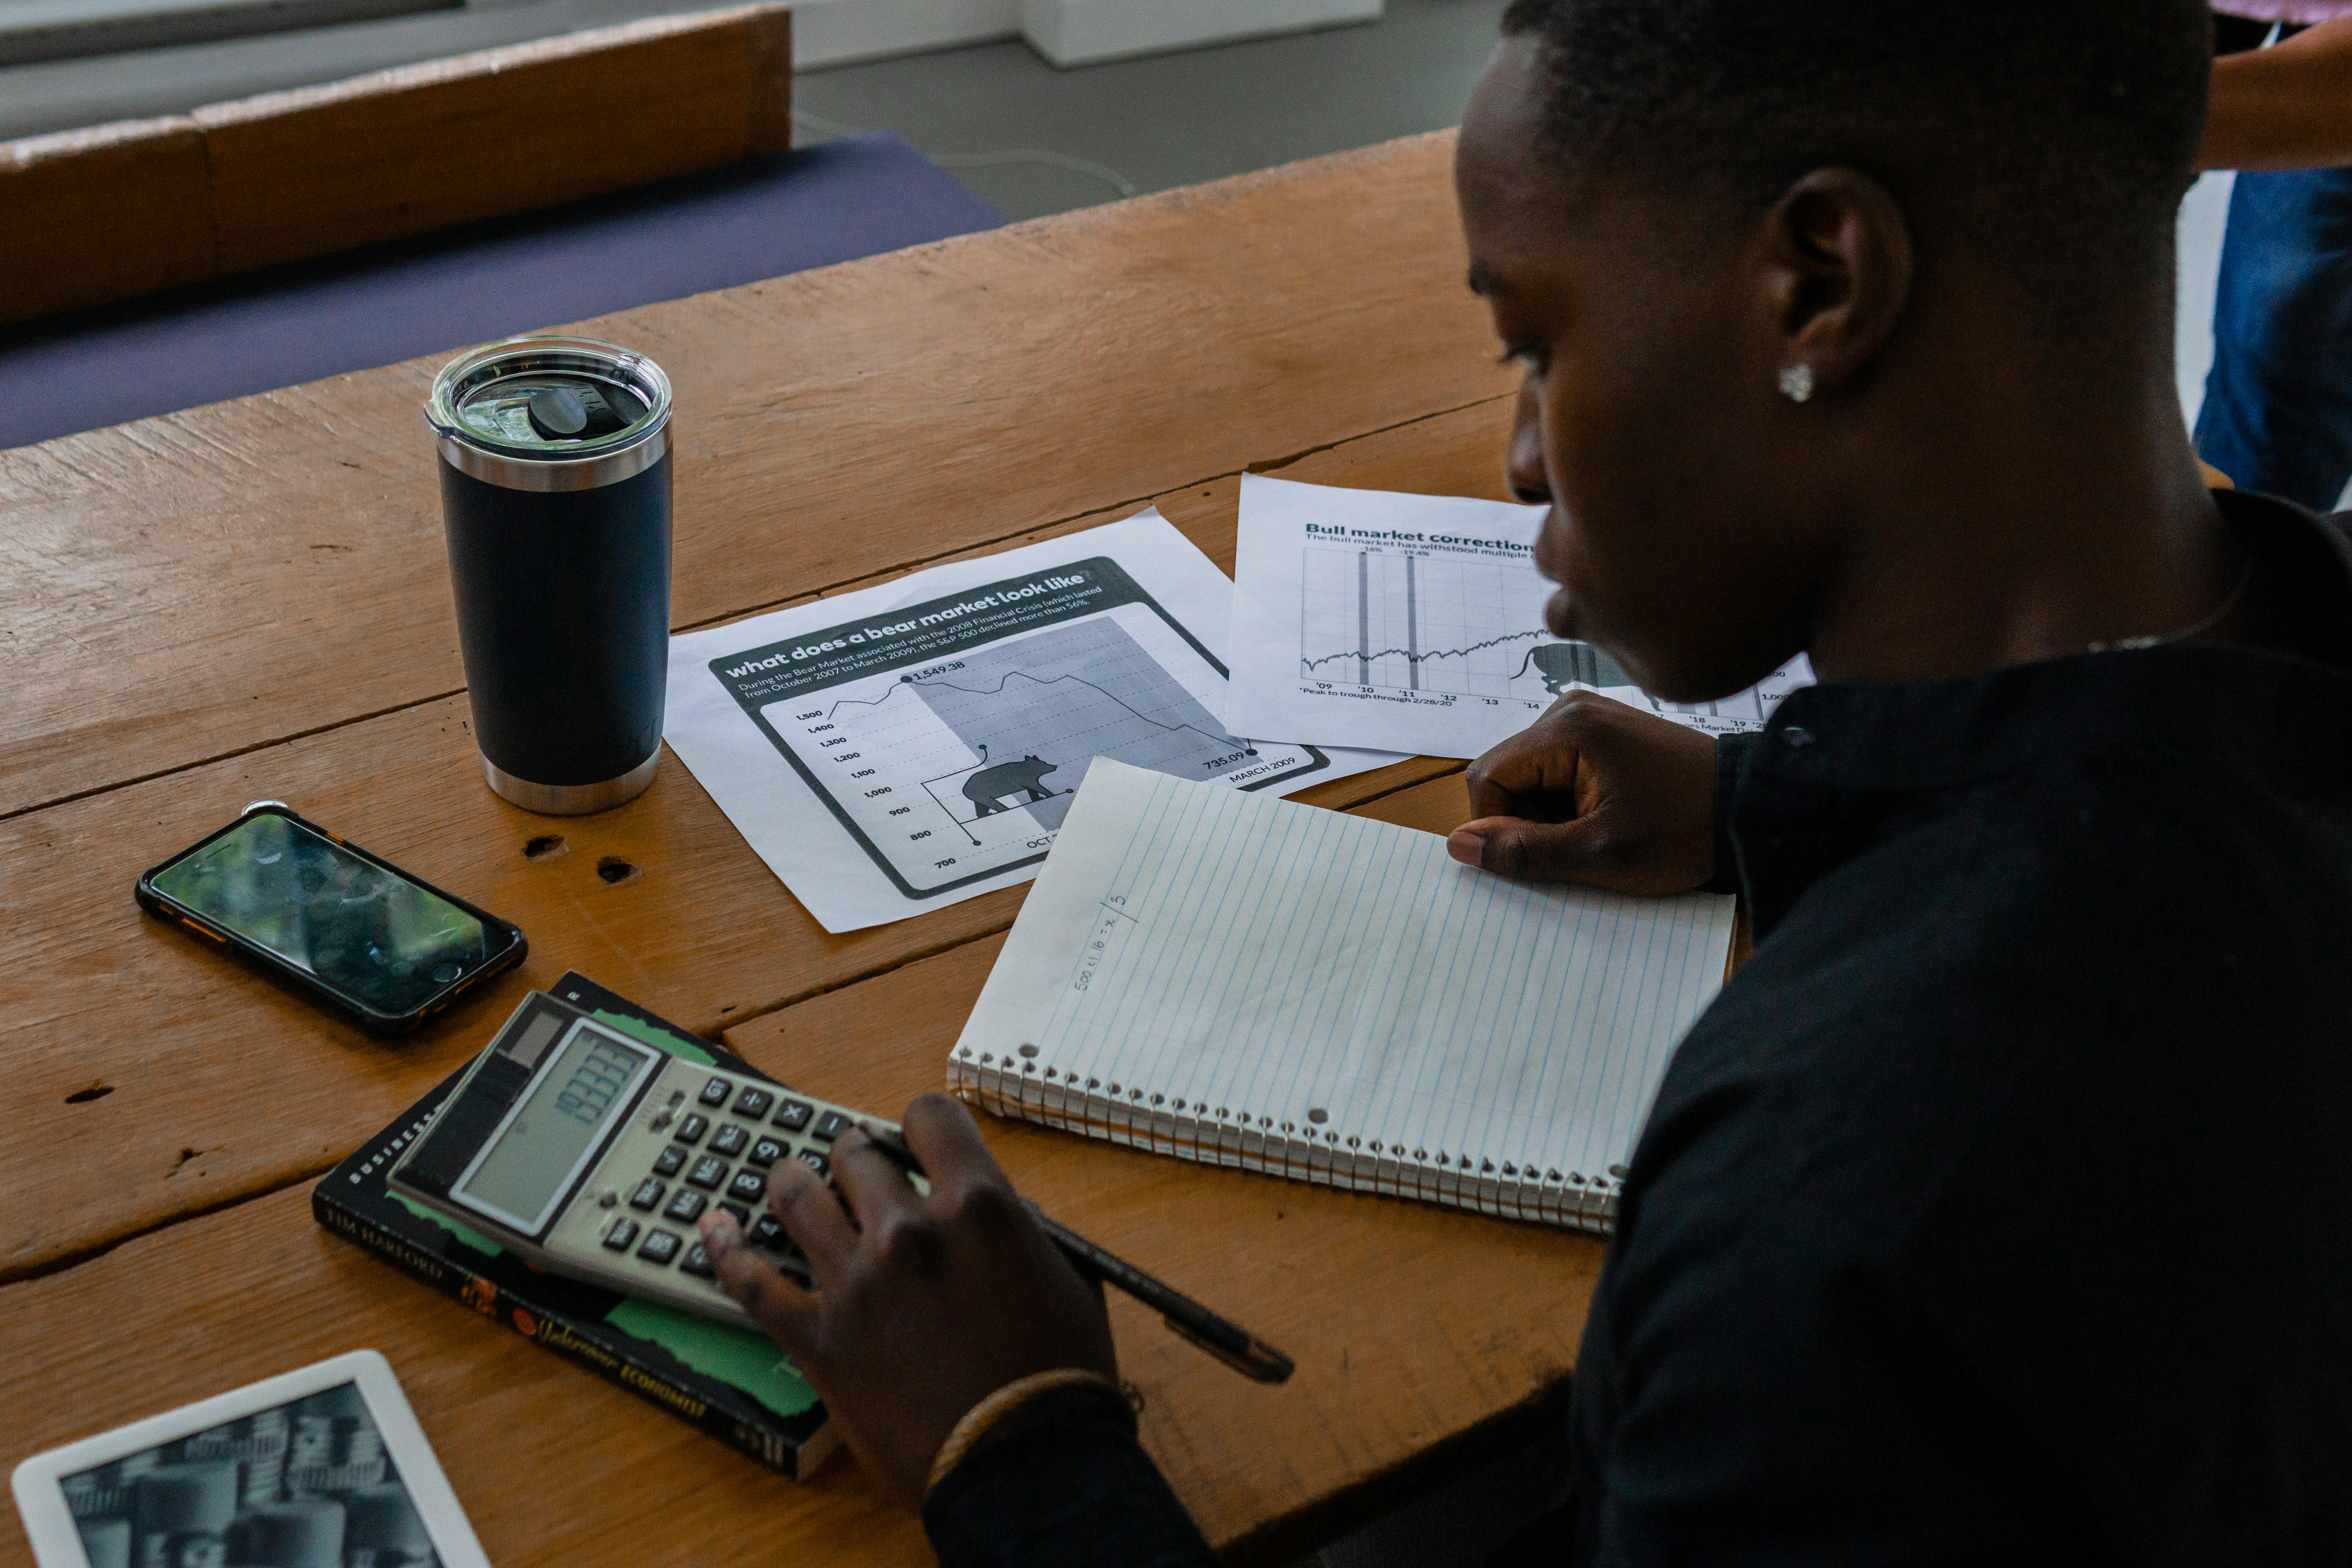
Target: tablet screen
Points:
x,y
302,1484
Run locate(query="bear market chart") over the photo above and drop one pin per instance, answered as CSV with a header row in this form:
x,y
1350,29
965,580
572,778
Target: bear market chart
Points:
x,y
960,764
1021,721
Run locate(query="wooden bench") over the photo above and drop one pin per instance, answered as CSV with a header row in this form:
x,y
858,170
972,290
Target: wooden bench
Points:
x,y
100,215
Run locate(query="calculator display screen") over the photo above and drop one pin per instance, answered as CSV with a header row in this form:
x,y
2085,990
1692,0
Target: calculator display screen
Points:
x,y
531,1162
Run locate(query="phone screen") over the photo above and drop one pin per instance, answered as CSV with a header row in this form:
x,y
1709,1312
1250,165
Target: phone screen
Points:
x,y
364,932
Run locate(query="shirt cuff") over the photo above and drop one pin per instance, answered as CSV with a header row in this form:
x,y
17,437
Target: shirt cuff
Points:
x,y
1731,754
1060,1483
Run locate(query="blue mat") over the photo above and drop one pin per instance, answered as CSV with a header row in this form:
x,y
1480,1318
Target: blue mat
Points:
x,y
762,218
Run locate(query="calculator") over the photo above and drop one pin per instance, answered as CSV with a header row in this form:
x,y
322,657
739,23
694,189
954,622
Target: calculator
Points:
x,y
592,1154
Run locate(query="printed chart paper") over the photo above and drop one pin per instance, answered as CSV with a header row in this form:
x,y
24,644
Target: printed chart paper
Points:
x,y
1415,624
910,746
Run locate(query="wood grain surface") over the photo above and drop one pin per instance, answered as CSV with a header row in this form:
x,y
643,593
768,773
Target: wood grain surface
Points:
x,y
696,928
315,170
103,214
65,241
201,584
249,600
1412,1326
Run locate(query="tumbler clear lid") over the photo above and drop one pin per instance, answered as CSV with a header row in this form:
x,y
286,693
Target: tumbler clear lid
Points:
x,y
594,409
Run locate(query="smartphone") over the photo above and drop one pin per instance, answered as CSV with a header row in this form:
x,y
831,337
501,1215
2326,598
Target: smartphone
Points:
x,y
330,921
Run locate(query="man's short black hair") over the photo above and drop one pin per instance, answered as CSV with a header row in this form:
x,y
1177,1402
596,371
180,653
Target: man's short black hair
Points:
x,y
2073,122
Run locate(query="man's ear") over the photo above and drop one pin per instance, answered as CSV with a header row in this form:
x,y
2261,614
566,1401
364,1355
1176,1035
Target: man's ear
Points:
x,y
1837,275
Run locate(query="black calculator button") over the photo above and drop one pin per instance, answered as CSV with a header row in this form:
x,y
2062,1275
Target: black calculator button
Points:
x,y
716,1092
649,1193
695,1262
767,1231
766,1153
624,1231
813,1160
730,1139
691,1129
754,1103
793,1114
742,1215
830,1126
749,1185
672,1160
707,1172
661,1245
685,1206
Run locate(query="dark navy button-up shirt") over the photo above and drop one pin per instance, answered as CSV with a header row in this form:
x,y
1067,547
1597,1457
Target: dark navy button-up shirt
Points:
x,y
2000,1210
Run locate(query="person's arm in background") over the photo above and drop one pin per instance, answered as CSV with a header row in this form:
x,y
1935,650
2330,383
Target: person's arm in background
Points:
x,y
2285,107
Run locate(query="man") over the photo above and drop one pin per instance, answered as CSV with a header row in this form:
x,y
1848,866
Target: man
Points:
x,y
2277,414
1997,1211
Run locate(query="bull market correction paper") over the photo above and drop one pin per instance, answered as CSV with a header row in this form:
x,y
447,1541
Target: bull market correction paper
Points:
x,y
1415,624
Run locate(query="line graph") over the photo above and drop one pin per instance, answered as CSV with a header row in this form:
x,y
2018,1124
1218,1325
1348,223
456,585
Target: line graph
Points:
x,y
1419,622
988,785
909,680
1419,656
969,761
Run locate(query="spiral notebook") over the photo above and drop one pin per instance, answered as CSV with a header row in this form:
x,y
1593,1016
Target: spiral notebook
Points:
x,y
1251,983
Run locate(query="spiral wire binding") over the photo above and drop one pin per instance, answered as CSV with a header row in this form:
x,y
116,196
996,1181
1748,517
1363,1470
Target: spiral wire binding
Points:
x,y
1143,1119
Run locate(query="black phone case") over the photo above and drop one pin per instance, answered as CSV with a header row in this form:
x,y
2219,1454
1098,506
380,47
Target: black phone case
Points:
x,y
260,958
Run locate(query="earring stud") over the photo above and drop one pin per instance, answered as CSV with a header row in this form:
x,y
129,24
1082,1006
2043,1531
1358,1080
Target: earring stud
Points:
x,y
1797,382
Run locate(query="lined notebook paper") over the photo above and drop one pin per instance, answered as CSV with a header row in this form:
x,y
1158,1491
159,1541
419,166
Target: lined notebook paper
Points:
x,y
1247,982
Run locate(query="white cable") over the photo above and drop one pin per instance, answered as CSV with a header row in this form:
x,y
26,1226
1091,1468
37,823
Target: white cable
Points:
x,y
1107,175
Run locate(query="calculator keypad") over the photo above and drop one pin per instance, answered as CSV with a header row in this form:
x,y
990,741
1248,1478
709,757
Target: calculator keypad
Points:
x,y
711,1144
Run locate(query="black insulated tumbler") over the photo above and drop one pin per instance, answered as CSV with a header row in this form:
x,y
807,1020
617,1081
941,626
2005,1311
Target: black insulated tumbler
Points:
x,y
555,496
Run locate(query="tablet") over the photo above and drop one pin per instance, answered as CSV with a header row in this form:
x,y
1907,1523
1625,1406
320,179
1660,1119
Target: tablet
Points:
x,y
324,1467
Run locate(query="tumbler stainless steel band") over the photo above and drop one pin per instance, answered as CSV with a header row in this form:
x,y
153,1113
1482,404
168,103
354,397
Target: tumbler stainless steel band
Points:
x,y
573,800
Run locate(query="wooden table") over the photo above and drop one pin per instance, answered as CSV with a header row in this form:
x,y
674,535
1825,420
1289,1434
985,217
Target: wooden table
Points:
x,y
251,600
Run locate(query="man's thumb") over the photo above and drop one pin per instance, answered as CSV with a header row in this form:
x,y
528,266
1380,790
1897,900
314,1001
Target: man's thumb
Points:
x,y
1528,851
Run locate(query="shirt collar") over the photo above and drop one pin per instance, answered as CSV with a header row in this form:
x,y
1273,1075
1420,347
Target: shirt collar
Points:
x,y
1929,734
1809,794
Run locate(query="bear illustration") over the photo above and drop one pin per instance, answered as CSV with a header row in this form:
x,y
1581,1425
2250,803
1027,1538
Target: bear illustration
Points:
x,y
1561,662
987,788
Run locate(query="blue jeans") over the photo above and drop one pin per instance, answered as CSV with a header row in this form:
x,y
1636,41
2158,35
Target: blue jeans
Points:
x,y
2278,401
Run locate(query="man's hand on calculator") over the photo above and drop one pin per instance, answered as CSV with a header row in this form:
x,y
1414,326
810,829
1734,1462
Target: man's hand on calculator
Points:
x,y
926,1303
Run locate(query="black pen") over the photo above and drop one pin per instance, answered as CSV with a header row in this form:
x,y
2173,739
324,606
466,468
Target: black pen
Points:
x,y
1221,1337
